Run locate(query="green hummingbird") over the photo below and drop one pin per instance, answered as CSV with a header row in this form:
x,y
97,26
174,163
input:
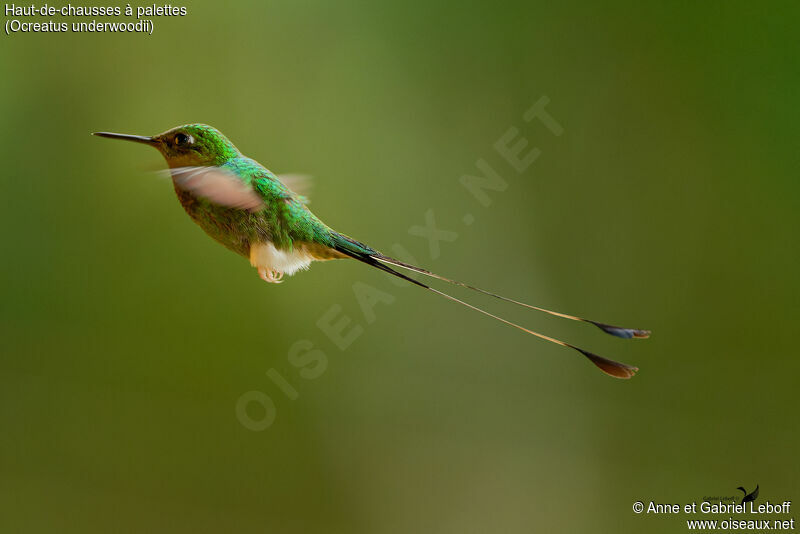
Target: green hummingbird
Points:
x,y
257,214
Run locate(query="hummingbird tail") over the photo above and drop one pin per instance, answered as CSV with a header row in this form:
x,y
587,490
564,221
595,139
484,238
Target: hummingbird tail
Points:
x,y
625,333
364,254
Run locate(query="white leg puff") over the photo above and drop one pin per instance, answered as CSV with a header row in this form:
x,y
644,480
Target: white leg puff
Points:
x,y
272,263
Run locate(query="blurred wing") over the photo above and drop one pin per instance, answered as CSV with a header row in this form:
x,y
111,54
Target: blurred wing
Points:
x,y
219,186
300,184
754,495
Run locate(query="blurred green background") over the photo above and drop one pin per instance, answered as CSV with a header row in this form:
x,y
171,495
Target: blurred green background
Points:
x,y
669,202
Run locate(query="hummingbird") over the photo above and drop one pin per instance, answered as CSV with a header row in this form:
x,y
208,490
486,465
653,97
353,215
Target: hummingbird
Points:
x,y
264,217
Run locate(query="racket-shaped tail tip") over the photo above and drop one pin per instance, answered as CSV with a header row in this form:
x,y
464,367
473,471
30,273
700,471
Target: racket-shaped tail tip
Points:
x,y
641,334
610,367
624,333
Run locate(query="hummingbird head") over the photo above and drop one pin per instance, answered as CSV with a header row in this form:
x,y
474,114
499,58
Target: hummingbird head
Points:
x,y
190,145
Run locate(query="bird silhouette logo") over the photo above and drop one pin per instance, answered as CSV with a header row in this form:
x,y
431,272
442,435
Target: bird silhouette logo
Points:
x,y
748,497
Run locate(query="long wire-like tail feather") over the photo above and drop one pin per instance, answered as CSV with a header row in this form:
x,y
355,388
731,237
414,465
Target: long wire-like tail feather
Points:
x,y
610,367
626,333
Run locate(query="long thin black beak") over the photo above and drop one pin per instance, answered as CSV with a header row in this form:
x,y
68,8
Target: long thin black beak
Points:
x,y
136,138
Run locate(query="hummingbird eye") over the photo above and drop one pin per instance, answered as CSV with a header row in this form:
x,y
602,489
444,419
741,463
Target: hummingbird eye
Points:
x,y
182,139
